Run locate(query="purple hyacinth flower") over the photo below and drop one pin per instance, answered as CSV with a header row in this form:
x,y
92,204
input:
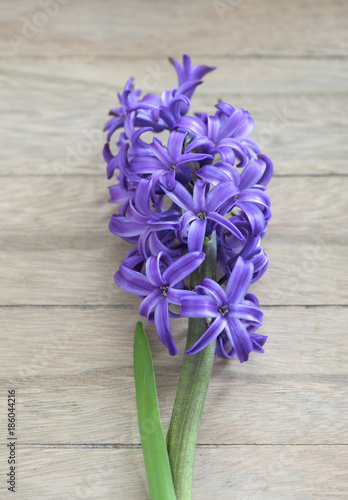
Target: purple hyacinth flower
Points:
x,y
251,201
231,201
187,72
139,218
167,159
224,349
202,208
128,100
232,313
130,228
229,251
160,286
255,174
221,134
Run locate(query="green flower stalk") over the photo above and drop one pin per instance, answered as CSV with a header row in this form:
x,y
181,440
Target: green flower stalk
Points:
x,y
192,389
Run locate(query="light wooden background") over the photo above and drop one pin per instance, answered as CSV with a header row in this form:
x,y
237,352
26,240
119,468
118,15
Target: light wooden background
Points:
x,y
275,427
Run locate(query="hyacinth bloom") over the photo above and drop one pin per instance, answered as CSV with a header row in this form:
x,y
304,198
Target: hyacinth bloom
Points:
x,y
217,134
190,195
187,72
160,286
167,159
231,312
208,177
201,208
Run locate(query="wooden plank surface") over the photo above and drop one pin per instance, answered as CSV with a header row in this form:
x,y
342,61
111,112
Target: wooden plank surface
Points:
x,y
62,227
294,103
241,472
136,28
275,427
80,370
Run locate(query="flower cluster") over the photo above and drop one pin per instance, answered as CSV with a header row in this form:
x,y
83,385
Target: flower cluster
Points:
x,y
208,176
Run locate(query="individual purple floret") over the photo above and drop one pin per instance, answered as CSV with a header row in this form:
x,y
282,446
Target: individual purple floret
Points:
x,y
188,72
161,285
161,159
203,210
234,314
181,178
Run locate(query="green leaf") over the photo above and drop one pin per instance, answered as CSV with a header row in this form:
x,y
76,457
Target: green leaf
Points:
x,y
159,476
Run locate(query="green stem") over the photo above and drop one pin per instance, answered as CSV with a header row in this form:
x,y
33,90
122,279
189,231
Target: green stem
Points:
x,y
193,385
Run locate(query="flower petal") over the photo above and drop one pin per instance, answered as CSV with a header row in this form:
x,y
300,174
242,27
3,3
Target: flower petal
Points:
x,y
196,235
178,194
226,224
183,267
125,226
254,216
239,280
118,194
163,327
252,173
248,313
176,142
198,306
149,303
224,349
161,152
213,124
220,194
255,196
153,272
213,175
269,170
233,123
198,143
214,289
209,336
185,220
194,124
177,295
133,282
190,157
240,339
199,193
258,341
146,165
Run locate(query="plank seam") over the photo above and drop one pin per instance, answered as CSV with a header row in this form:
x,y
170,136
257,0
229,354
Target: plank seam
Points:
x,y
101,176
138,445
40,57
132,306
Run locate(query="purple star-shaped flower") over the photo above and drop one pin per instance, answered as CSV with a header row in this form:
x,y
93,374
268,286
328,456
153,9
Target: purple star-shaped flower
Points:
x,y
220,135
128,100
160,286
188,72
167,159
201,208
234,315
252,201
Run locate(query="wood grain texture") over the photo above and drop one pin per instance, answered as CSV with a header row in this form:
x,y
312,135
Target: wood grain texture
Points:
x,y
74,365
241,472
209,27
275,427
56,248
56,109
